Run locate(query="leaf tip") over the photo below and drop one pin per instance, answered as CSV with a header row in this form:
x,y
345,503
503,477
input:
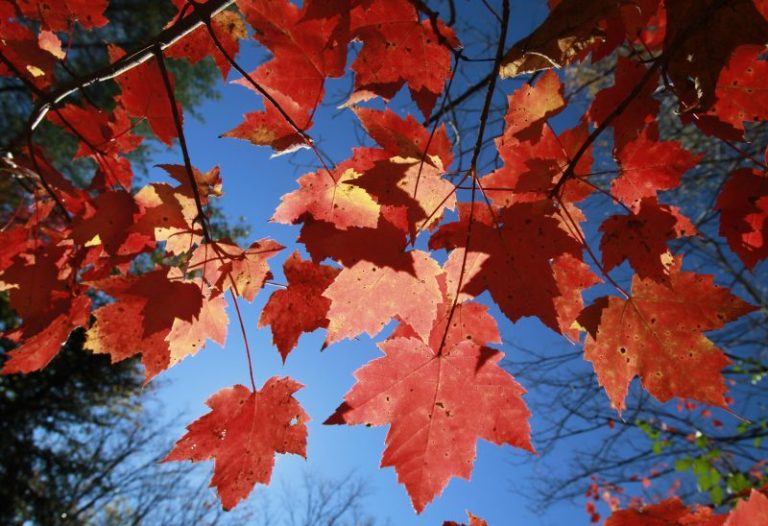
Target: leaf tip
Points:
x,y
337,418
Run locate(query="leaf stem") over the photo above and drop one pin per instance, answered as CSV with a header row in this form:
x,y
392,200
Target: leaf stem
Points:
x,y
183,143
233,293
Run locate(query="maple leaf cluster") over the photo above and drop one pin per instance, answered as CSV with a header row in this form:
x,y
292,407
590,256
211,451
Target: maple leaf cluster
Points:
x,y
672,512
69,253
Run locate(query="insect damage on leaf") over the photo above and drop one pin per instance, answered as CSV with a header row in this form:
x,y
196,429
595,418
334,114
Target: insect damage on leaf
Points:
x,y
657,334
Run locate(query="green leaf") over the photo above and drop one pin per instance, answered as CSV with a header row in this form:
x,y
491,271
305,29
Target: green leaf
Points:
x,y
716,493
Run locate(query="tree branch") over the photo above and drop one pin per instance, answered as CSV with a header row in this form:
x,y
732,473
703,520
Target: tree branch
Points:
x,y
162,41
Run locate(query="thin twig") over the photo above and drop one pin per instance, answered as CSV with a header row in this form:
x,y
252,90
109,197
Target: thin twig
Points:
x,y
434,126
473,165
43,181
618,110
577,232
233,293
460,99
183,143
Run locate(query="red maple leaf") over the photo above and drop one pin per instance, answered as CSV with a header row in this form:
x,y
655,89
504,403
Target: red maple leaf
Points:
x,y
242,433
404,176
641,238
648,166
331,197
534,157
520,247
166,211
227,266
269,128
439,394
140,97
384,245
188,336
640,112
99,130
306,50
23,51
37,286
197,45
406,137
300,307
36,351
365,297
531,106
657,334
61,15
415,188
743,205
573,276
145,311
752,511
531,169
107,221
208,183
671,512
72,198
103,137
39,291
399,49
473,521
699,42
741,96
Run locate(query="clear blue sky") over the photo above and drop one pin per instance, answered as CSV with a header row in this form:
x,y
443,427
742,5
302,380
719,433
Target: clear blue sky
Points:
x,y
253,184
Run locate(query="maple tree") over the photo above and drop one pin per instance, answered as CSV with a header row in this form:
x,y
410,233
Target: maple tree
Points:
x,y
410,232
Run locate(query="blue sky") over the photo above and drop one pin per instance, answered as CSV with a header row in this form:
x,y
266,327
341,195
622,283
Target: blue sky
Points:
x,y
253,184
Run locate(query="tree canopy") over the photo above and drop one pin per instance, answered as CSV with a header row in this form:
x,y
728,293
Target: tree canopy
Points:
x,y
623,204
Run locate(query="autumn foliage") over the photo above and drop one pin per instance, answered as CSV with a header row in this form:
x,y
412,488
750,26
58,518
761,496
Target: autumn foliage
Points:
x,y
69,253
